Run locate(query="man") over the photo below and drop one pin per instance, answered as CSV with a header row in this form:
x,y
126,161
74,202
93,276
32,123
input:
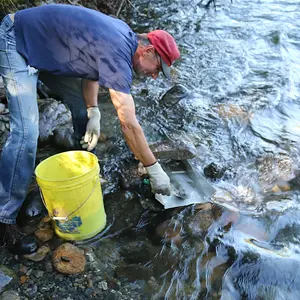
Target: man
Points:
x,y
72,50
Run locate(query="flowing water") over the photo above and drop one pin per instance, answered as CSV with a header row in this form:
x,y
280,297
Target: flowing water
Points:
x,y
240,65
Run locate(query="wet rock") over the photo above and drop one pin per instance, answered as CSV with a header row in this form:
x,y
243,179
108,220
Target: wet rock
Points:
x,y
4,129
68,259
203,206
2,108
174,95
106,257
45,220
10,295
170,231
138,252
31,290
130,177
213,171
278,170
103,285
48,266
64,137
6,276
39,255
32,207
174,149
53,114
232,111
150,203
44,234
198,224
134,272
123,210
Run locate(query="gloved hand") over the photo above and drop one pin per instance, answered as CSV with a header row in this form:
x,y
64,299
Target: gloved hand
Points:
x,y
159,180
90,140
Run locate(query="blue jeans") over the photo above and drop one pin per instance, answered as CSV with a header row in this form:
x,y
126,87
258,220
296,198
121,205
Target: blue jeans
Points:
x,y
18,155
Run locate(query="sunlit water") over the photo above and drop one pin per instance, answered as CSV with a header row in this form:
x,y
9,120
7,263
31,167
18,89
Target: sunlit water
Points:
x,y
241,65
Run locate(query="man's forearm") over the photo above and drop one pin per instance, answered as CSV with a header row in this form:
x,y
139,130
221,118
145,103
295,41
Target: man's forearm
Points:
x,y
90,92
137,142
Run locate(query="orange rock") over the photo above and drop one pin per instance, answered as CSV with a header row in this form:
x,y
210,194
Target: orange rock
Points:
x,y
46,219
23,279
44,234
68,259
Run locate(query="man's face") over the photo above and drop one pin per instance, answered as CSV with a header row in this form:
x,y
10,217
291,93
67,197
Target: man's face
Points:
x,y
148,63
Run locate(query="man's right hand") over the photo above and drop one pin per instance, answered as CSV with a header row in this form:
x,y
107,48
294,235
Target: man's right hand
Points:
x,y
160,181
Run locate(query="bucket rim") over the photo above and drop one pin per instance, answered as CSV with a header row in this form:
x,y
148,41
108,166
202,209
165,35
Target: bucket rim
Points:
x,y
62,180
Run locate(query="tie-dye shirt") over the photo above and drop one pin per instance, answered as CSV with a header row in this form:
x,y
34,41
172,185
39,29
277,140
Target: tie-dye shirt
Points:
x,y
77,42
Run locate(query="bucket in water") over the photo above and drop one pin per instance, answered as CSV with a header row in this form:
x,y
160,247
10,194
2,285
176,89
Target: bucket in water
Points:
x,y
71,191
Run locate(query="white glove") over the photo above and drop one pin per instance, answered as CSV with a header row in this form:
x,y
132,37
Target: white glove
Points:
x,y
159,180
90,140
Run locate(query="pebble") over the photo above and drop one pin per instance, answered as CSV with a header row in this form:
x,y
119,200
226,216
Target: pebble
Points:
x,y
48,267
38,273
103,285
39,255
31,291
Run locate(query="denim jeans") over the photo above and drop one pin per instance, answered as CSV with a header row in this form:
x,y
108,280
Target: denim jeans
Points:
x,y
18,155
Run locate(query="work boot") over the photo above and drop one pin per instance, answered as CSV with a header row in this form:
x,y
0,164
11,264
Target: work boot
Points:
x,y
15,240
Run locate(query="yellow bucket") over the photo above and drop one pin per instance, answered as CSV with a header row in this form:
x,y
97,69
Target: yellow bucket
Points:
x,y
71,191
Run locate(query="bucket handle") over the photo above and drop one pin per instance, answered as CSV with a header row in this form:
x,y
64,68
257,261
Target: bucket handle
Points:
x,y
67,217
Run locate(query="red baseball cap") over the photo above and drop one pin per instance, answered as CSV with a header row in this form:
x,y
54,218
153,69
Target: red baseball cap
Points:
x,y
166,48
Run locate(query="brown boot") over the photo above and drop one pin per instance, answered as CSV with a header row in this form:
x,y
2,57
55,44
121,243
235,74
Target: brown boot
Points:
x,y
15,240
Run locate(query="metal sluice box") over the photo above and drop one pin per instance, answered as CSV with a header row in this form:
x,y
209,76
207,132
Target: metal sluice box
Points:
x,y
188,186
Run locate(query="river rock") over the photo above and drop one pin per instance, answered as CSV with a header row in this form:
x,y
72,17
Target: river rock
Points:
x,y
10,295
4,129
39,255
32,210
134,272
174,95
64,137
138,252
68,259
4,281
53,114
170,231
198,224
2,108
231,111
130,177
123,210
275,172
174,149
213,171
44,234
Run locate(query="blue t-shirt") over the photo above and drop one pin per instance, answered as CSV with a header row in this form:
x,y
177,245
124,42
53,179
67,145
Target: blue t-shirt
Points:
x,y
74,41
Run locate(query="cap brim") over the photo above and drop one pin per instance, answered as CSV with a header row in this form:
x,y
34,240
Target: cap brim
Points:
x,y
165,69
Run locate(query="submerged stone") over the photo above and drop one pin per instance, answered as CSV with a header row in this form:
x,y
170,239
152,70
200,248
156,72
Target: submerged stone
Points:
x,y
174,149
